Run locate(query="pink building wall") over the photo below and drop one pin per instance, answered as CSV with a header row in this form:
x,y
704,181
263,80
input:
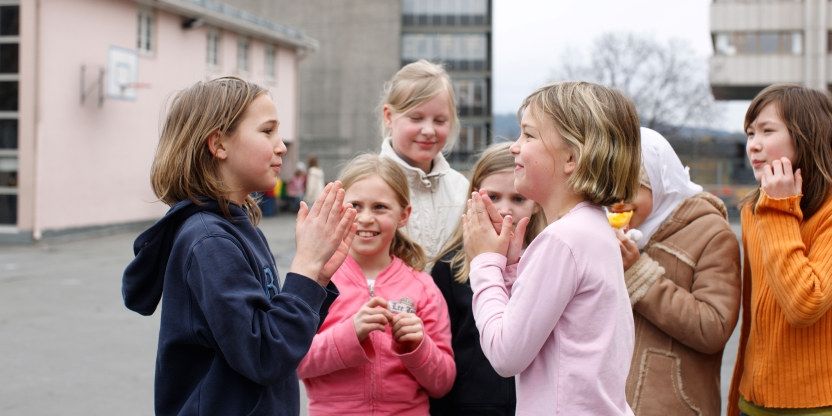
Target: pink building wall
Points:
x,y
89,165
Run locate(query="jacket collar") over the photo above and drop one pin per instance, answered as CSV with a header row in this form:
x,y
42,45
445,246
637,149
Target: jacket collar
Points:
x,y
353,271
439,167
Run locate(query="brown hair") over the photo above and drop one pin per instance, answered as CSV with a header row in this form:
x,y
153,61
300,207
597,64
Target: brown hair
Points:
x,y
494,159
367,165
602,128
183,167
807,114
417,83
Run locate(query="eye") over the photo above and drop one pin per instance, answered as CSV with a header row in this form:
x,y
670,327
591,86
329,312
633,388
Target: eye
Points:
x,y
494,197
518,199
379,207
441,121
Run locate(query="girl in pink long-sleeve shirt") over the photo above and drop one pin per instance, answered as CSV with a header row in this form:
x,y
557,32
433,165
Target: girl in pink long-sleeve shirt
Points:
x,y
385,346
559,318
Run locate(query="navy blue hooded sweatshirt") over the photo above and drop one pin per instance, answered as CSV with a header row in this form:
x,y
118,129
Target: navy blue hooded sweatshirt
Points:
x,y
230,337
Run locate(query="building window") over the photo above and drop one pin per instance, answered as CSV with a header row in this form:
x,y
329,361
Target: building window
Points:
x,y
445,12
212,53
145,41
9,110
471,94
269,56
243,46
461,51
758,43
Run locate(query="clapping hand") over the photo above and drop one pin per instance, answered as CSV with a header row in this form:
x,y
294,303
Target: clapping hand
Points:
x,y
323,235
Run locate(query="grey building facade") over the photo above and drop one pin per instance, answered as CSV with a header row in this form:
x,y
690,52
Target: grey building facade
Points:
x,y
758,43
362,43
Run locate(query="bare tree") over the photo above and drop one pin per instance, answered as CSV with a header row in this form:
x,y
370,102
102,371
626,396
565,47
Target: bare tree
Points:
x,y
667,81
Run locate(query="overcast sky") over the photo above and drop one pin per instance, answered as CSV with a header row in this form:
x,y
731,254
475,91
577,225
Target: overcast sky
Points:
x,y
530,37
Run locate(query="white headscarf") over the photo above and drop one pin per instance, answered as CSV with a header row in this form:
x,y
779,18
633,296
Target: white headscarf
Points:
x,y
669,180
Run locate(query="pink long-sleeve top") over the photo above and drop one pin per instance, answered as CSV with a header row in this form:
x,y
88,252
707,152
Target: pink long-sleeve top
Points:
x,y
565,328
346,377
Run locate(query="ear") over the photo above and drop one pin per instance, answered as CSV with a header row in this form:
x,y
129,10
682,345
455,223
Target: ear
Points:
x,y
405,216
216,146
571,164
387,115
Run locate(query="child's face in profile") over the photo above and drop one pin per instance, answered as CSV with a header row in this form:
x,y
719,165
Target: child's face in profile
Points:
x,y
543,160
768,140
378,216
251,157
500,189
419,134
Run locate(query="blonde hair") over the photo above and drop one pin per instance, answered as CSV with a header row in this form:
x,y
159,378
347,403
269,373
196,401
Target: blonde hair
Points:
x,y
417,83
602,128
183,167
494,159
807,115
368,165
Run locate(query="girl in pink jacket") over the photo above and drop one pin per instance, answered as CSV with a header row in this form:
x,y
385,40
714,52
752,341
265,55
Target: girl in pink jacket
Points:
x,y
384,347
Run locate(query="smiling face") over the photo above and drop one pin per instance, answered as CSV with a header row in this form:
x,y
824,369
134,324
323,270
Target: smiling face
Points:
x,y
501,191
251,157
543,160
379,215
420,133
768,140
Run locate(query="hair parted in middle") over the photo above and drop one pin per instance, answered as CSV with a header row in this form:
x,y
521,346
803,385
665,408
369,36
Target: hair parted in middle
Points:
x,y
807,115
367,165
494,159
601,126
183,167
415,84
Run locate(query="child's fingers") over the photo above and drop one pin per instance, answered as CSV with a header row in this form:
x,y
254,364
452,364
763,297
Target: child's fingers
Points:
x,y
337,208
346,223
411,337
522,225
303,212
798,181
491,210
377,301
326,205
316,207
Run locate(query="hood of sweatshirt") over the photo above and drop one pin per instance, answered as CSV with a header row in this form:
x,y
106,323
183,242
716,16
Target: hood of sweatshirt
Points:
x,y
144,277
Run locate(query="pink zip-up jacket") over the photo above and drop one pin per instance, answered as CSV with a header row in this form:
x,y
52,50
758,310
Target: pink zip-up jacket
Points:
x,y
345,377
565,327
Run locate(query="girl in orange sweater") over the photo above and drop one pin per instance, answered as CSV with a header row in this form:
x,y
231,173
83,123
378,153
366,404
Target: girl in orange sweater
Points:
x,y
784,362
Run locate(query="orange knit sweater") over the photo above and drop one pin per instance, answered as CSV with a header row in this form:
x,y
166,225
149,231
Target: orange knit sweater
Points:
x,y
785,352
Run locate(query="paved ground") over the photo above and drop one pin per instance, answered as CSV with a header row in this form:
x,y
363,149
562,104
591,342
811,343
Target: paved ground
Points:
x,y
67,344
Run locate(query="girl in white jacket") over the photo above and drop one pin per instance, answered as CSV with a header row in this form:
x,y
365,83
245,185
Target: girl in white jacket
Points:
x,y
419,121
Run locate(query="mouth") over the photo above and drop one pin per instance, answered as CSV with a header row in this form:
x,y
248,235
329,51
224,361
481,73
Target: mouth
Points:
x,y
426,144
757,163
275,167
366,233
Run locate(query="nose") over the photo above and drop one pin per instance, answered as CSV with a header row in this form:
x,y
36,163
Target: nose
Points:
x,y
515,147
428,129
280,148
363,216
503,208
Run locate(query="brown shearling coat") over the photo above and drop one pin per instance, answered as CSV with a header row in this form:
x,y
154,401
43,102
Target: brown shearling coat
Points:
x,y
686,294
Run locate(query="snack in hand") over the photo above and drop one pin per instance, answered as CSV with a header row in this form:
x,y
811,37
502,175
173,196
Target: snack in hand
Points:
x,y
619,215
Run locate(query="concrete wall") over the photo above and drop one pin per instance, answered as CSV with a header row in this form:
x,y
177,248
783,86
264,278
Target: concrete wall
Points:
x,y
85,165
343,80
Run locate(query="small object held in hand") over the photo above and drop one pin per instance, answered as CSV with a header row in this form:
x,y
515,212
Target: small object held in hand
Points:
x,y
403,305
619,214
634,234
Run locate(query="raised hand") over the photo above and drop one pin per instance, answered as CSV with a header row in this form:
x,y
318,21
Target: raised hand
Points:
x,y
373,316
515,245
320,232
408,332
478,230
778,181
629,249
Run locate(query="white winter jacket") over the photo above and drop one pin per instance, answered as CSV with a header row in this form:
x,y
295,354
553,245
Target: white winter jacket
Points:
x,y
438,200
